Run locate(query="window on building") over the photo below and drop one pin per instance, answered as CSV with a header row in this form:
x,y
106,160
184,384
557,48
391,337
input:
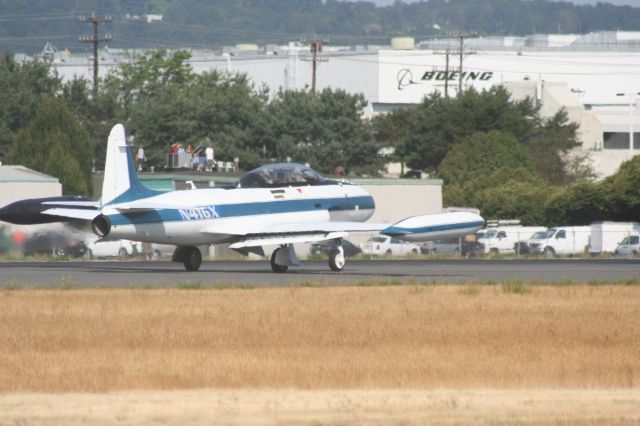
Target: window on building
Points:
x,y
620,140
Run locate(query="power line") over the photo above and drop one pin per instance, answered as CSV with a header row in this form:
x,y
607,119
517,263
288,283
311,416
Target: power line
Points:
x,y
37,18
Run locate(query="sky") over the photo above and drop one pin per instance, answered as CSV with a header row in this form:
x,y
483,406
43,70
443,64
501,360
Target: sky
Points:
x,y
580,2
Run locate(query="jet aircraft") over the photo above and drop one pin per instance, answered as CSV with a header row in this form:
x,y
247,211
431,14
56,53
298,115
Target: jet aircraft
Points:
x,y
276,204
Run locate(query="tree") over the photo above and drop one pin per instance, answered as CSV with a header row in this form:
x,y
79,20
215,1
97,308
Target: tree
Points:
x,y
482,155
325,129
549,144
579,204
492,172
438,124
622,191
54,143
22,86
146,74
390,129
515,199
213,107
96,115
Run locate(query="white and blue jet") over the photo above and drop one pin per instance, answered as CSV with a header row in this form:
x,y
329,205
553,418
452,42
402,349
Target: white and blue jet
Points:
x,y
276,204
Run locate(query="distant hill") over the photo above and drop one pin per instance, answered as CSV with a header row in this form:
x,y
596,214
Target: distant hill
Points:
x,y
578,2
26,26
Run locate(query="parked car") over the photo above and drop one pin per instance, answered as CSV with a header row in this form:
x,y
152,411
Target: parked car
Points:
x,y
55,243
350,249
382,244
629,246
452,247
114,248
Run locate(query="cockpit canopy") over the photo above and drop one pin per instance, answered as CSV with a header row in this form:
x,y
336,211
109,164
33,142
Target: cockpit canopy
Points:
x,y
281,175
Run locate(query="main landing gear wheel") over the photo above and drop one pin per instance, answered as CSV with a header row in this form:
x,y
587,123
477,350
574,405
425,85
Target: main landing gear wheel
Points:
x,y
274,266
336,259
192,258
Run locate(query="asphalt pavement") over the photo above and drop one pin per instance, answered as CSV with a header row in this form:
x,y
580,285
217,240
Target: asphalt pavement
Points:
x,y
131,274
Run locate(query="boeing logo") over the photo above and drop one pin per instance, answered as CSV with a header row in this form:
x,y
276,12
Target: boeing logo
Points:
x,y
456,76
405,76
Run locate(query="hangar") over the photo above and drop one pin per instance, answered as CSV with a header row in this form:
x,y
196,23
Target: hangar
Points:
x,y
19,182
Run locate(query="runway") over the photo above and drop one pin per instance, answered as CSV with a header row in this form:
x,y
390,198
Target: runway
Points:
x,y
163,274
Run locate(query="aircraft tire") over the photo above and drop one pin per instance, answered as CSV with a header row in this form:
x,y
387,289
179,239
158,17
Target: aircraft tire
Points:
x,y
336,260
279,269
192,258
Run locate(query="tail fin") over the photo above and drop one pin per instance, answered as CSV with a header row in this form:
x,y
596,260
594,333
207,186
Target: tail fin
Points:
x,y
120,179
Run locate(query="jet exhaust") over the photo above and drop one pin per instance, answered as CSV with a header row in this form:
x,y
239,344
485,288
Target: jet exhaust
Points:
x,y
101,225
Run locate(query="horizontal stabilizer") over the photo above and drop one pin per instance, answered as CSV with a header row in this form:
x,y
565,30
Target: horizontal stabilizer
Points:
x,y
82,204
83,214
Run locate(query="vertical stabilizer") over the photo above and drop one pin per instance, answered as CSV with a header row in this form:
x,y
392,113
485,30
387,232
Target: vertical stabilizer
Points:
x,y
120,179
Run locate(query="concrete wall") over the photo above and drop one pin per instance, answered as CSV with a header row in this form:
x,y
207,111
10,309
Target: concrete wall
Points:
x,y
396,202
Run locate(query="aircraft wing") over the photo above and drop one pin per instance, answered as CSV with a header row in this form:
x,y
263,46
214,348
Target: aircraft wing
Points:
x,y
295,228
252,237
266,240
327,227
416,228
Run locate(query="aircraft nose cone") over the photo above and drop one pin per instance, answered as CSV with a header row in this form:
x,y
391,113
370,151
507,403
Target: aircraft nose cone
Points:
x,y
7,214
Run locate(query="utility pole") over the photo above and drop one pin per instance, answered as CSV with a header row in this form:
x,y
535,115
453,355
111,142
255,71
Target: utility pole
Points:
x,y
315,48
95,40
446,69
461,37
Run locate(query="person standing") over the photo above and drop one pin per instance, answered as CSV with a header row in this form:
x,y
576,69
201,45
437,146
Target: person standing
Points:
x,y
203,162
141,158
210,158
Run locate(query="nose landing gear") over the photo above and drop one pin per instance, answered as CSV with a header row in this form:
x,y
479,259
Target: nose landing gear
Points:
x,y
336,258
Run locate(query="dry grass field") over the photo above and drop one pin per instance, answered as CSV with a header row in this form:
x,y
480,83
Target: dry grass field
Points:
x,y
410,338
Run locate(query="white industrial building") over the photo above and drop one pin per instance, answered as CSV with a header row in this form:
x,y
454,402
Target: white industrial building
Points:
x,y
19,182
596,77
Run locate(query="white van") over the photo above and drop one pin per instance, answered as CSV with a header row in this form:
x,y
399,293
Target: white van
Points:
x,y
571,240
605,236
503,239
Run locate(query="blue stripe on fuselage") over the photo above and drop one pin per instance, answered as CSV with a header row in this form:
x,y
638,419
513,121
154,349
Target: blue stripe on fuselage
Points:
x,y
244,209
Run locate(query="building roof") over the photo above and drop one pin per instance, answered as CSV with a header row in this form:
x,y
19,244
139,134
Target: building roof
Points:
x,y
23,174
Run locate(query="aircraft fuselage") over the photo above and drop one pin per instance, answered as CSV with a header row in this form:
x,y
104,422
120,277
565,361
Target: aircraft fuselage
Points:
x,y
201,216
